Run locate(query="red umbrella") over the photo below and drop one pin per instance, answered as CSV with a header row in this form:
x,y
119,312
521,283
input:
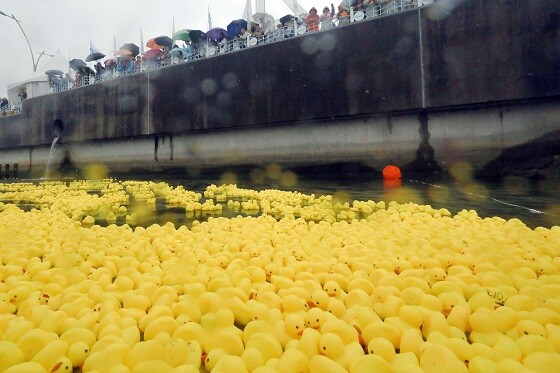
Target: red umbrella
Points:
x,y
153,54
152,44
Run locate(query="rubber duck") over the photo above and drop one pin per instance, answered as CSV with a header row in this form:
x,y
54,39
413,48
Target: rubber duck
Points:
x,y
333,289
320,363
77,353
10,355
50,355
320,299
212,358
309,342
315,318
436,358
266,344
293,360
232,344
26,367
178,352
357,297
483,328
411,341
230,363
482,364
292,304
252,358
383,348
34,340
144,351
332,346
406,361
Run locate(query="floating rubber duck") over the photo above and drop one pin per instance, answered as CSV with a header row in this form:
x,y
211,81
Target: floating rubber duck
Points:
x,y
11,355
332,346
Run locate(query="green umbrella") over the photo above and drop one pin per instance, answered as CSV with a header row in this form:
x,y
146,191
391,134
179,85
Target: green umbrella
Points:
x,y
182,35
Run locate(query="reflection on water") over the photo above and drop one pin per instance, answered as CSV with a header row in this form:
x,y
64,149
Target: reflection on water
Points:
x,y
533,202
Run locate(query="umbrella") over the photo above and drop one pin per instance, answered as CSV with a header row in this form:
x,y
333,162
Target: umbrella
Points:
x,y
286,18
76,64
182,35
86,70
265,20
234,27
166,41
54,72
197,35
216,34
94,56
152,44
123,52
110,62
132,48
153,54
180,52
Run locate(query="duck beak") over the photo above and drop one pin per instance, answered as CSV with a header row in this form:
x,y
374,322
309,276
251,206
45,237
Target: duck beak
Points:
x,y
203,358
56,366
311,304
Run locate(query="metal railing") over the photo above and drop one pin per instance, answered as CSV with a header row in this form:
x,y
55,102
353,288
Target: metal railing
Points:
x,y
208,48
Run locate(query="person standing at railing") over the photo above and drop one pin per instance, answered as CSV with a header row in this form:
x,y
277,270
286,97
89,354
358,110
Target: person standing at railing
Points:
x,y
326,19
99,72
4,104
65,82
312,20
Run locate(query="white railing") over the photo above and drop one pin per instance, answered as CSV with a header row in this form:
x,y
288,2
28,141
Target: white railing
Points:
x,y
208,49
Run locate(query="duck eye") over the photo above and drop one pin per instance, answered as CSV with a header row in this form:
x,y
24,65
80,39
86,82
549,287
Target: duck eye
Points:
x,y
526,332
317,320
324,348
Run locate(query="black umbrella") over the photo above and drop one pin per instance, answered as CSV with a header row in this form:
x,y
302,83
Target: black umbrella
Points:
x,y
86,70
94,56
165,41
54,72
286,18
197,35
132,48
76,64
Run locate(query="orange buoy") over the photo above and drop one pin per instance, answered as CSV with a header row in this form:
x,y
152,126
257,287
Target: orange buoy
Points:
x,y
391,172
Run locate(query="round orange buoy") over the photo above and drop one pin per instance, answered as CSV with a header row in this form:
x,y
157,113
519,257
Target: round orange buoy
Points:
x,y
391,173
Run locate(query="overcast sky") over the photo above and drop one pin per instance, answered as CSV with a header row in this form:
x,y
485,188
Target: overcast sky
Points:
x,y
69,25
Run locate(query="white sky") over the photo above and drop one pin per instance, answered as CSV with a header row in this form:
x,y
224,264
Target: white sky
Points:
x,y
69,25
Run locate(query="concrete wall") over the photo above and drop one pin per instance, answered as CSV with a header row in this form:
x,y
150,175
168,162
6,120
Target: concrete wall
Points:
x,y
433,60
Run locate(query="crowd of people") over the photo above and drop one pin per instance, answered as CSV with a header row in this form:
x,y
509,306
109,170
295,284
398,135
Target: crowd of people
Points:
x,y
250,34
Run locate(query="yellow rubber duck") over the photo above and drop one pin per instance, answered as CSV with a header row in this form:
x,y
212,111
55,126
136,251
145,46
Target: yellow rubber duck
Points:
x,y
436,358
320,363
50,355
178,352
293,360
252,358
26,367
33,341
266,344
332,346
10,354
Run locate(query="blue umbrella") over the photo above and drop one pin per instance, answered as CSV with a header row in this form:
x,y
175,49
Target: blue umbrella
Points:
x,y
234,28
216,34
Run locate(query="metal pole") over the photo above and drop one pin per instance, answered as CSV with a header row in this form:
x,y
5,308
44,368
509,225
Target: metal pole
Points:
x,y
26,39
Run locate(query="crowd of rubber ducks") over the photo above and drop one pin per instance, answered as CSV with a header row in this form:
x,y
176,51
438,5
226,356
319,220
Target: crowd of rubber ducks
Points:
x,y
311,284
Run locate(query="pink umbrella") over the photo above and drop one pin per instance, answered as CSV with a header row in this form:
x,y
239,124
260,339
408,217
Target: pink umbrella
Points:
x,y
110,62
153,54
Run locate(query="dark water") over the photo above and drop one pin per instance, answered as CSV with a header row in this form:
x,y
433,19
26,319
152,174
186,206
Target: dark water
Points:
x,y
536,203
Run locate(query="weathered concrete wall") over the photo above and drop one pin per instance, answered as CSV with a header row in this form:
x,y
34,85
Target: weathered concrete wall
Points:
x,y
447,63
488,51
